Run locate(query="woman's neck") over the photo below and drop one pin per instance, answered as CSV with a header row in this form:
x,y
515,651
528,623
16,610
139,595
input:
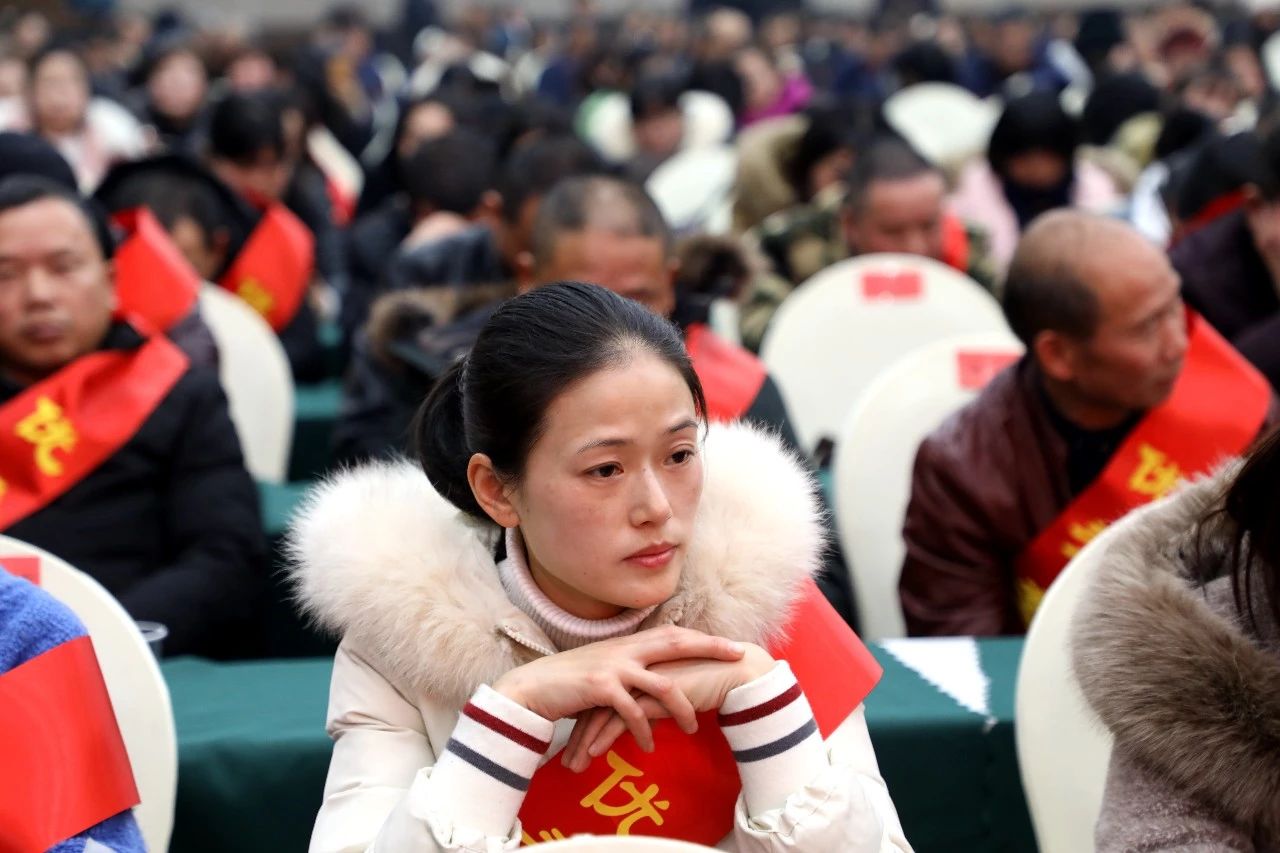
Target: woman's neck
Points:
x,y
564,629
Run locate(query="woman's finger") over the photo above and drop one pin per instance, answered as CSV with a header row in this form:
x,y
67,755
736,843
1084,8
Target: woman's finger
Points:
x,y
614,727
576,737
585,732
669,696
635,718
672,643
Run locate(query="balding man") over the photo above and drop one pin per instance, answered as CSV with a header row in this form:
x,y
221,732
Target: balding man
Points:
x,y
1121,394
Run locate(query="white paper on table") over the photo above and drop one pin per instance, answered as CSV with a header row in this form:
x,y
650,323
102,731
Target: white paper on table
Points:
x,y
950,664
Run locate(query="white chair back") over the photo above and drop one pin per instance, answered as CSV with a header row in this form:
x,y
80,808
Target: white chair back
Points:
x,y
138,691
837,331
692,186
1063,749
255,374
604,121
621,844
917,112
335,161
875,451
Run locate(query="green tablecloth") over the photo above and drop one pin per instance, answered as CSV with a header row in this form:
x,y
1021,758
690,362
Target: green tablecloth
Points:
x,y
253,755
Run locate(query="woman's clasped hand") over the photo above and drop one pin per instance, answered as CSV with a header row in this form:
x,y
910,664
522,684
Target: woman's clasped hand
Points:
x,y
620,685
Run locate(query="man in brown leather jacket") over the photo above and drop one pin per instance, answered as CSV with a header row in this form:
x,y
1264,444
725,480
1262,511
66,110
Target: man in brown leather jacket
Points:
x,y
1099,311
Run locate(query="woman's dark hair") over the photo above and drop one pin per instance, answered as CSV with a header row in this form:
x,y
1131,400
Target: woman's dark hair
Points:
x,y
1034,122
533,348
244,124
1251,506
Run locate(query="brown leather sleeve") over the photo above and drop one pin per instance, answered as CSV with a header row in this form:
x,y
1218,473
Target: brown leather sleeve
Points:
x,y
954,580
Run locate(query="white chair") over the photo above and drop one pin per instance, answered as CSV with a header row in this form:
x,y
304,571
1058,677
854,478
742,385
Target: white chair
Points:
x,y
875,451
918,112
708,120
1063,749
837,331
255,374
692,186
622,844
335,161
138,691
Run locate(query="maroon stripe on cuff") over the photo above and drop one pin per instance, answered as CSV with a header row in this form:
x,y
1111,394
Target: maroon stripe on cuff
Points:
x,y
764,709
505,729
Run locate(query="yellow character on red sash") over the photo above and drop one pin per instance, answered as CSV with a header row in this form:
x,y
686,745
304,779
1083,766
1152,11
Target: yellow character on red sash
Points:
x,y
49,429
256,296
1156,474
641,805
553,835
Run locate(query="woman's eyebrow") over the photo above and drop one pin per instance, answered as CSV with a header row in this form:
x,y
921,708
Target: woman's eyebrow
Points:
x,y
687,423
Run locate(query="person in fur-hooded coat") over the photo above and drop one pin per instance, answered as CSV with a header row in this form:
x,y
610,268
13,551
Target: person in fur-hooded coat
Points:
x,y
412,586
1187,683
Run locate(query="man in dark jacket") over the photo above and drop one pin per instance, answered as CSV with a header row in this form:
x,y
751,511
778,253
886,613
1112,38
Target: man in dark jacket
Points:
x,y
115,454
1118,397
1230,267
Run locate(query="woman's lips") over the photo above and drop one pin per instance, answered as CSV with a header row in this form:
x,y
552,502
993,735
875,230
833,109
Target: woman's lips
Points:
x,y
656,557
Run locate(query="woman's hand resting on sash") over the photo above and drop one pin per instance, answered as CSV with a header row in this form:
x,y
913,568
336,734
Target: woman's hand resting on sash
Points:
x,y
705,683
618,675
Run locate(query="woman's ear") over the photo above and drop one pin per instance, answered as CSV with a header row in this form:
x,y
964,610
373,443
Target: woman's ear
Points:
x,y
491,492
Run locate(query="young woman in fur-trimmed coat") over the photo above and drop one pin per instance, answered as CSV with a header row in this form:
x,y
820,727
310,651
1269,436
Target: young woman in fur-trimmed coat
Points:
x,y
1177,648
642,568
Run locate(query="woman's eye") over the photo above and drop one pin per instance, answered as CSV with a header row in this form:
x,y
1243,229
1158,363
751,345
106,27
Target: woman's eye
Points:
x,y
682,456
605,471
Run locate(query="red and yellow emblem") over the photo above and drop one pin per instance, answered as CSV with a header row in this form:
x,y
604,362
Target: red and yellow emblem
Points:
x,y
273,270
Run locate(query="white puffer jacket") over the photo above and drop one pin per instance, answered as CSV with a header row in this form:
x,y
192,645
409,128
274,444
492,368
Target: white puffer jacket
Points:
x,y
412,587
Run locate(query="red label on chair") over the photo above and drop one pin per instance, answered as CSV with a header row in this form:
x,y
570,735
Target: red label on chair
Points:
x,y
897,286
975,368
23,567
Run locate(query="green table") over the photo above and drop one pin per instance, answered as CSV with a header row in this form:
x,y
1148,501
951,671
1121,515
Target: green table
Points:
x,y
315,413
253,755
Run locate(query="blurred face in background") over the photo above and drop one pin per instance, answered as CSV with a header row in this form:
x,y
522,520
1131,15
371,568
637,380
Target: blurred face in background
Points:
x,y
660,133
178,85
899,216
1013,47
252,71
13,77
59,94
761,82
425,121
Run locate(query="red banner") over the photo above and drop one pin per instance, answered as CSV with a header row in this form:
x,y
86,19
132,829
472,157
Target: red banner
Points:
x,y
1215,411
64,767
687,787
154,281
58,431
273,270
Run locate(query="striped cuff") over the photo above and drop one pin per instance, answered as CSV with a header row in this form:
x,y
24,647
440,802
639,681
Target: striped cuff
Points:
x,y
480,778
774,738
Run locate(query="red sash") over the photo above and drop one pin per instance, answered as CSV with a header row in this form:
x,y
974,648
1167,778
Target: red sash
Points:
x,y
1216,409
272,271
955,243
58,431
64,767
731,377
686,788
154,281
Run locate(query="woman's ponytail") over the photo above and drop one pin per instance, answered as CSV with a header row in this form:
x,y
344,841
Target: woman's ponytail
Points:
x,y
440,441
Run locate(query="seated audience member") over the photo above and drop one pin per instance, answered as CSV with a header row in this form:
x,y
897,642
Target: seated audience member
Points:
x,y
1032,166
273,270
41,635
1176,646
1121,394
118,456
490,251
382,388
607,231
91,133
145,270
896,202
174,95
1230,267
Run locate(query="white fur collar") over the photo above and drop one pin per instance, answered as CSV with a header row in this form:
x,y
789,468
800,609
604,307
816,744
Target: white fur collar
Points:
x,y
382,560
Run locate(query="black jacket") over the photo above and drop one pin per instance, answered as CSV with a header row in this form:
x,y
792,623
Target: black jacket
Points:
x,y
1225,279
170,523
